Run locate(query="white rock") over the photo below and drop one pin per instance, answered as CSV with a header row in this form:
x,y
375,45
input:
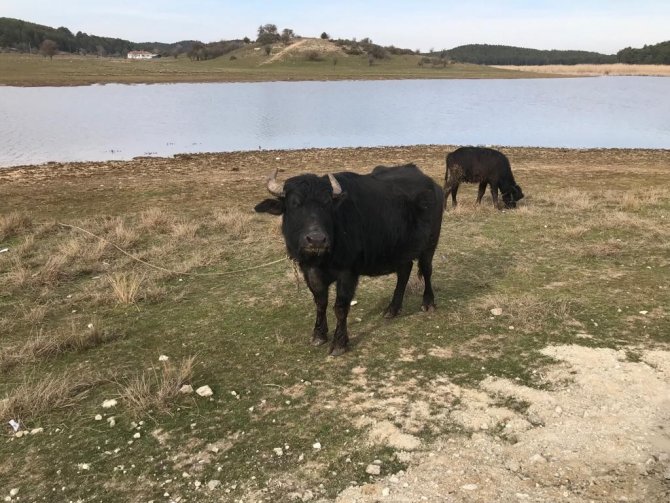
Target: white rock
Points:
x,y
35,431
213,484
84,466
163,358
278,451
204,391
107,404
111,421
316,445
13,492
98,417
373,469
197,484
19,434
386,491
354,302
470,487
496,311
643,312
137,435
186,389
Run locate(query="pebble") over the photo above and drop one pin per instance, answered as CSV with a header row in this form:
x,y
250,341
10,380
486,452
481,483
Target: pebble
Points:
x,y
186,389
13,492
163,358
386,491
278,451
111,421
204,391
643,312
137,435
316,445
35,431
109,403
98,417
84,466
470,487
373,469
213,484
496,311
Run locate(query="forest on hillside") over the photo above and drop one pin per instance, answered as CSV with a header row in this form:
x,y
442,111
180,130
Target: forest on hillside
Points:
x,y
23,36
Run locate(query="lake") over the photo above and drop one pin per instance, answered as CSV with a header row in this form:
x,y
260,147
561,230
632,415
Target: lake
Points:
x,y
117,121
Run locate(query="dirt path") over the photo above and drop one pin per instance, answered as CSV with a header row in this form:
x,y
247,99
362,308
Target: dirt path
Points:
x,y
599,434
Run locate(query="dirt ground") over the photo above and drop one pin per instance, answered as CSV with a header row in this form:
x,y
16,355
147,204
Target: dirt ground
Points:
x,y
598,433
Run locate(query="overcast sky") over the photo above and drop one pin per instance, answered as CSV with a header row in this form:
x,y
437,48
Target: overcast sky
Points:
x,y
597,25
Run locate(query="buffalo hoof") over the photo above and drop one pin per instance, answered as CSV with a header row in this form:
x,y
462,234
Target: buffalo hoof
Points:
x,y
337,351
391,312
428,308
318,341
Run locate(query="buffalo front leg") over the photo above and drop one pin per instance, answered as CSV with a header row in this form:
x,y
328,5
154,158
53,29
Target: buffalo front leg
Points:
x,y
399,293
346,287
494,196
319,288
426,270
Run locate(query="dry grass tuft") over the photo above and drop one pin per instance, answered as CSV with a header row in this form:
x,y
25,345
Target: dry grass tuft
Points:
x,y
125,286
120,234
571,199
155,219
18,275
527,312
51,344
155,390
33,398
26,246
234,223
53,270
185,230
607,248
13,224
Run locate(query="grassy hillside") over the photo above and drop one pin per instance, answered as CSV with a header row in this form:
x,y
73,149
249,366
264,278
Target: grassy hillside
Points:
x,y
305,60
83,322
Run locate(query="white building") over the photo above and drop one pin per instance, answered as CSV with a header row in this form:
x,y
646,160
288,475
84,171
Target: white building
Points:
x,y
141,55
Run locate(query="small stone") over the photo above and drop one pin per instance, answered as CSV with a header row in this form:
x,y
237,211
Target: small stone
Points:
x,y
98,417
137,435
84,466
558,410
204,391
187,389
13,492
316,445
107,404
386,491
278,451
19,434
308,495
354,302
197,484
35,431
643,312
213,484
537,458
496,311
373,469
163,358
111,421
470,487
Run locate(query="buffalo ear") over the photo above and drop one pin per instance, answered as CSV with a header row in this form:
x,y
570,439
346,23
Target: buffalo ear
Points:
x,y
271,206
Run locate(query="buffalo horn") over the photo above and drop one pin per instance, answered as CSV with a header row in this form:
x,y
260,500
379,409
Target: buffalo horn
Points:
x,y
337,190
274,187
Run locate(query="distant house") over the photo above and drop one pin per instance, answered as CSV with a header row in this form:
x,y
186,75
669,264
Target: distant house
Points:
x,y
141,55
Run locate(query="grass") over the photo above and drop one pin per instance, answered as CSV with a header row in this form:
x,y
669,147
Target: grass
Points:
x,y
250,66
573,259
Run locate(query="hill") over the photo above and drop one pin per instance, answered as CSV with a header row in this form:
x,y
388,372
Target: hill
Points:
x,y
485,54
658,54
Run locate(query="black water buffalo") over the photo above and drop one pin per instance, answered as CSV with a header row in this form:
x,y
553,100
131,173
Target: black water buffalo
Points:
x,y
484,166
339,227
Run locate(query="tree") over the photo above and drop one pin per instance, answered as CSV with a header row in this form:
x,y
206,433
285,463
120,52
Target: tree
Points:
x,y
246,40
325,36
287,35
48,48
267,34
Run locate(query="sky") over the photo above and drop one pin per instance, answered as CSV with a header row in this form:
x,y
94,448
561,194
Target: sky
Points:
x,y
604,26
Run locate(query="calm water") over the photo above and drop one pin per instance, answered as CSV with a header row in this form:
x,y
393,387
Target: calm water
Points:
x,y
122,121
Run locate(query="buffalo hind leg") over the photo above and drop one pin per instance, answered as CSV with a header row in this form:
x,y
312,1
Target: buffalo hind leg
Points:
x,y
480,194
426,271
450,187
346,287
399,293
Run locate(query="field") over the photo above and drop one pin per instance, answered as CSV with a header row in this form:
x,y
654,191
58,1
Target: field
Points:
x,y
249,66
594,70
541,376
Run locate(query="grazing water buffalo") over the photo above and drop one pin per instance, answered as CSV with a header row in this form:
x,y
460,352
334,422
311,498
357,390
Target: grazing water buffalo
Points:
x,y
339,227
484,166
